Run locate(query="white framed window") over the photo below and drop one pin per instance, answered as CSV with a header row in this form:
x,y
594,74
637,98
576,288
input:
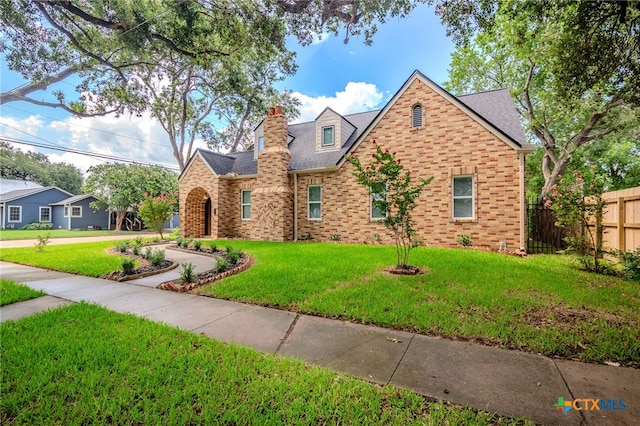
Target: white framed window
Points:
x,y
45,214
76,211
416,116
314,202
463,197
328,136
377,193
260,143
245,202
15,213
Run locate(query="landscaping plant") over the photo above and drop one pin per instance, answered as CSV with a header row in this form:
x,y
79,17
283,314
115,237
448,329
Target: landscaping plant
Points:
x,y
43,240
122,246
186,273
128,266
155,211
465,240
197,244
579,207
157,257
394,195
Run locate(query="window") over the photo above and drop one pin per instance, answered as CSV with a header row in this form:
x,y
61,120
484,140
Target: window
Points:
x,y
463,197
327,136
377,193
76,211
45,214
15,213
246,204
260,143
314,202
416,116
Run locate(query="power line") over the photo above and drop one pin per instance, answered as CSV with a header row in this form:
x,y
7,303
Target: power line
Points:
x,y
87,153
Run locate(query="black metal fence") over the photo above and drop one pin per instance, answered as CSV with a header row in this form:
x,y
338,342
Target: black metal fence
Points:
x,y
543,236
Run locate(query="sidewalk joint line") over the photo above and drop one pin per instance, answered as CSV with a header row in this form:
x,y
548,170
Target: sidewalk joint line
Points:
x,y
584,419
289,331
401,358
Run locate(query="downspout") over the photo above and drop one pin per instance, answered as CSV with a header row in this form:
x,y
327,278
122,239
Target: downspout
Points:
x,y
68,216
295,206
523,202
3,210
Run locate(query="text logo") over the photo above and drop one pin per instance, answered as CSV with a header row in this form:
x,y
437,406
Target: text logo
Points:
x,y
588,404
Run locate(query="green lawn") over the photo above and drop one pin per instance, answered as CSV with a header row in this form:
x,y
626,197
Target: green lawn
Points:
x,y
10,292
83,364
26,234
541,304
91,259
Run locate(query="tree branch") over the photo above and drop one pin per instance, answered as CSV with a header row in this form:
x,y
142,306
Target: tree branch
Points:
x,y
21,92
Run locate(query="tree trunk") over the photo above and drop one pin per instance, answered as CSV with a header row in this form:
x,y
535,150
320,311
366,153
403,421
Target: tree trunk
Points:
x,y
120,215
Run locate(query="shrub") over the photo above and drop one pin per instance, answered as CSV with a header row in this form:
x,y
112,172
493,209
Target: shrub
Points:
x,y
334,237
122,246
222,264
128,266
43,240
155,239
139,241
175,234
157,257
213,246
186,273
375,238
39,226
465,240
136,248
233,255
630,263
197,244
307,237
179,241
148,253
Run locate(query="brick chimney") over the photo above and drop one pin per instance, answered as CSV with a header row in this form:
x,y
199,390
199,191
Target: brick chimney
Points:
x,y
272,200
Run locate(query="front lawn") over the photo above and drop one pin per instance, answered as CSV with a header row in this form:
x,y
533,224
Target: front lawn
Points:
x,y
541,304
10,292
32,234
91,259
83,364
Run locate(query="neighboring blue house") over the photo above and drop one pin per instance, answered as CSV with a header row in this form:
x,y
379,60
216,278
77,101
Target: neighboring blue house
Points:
x,y
76,213
24,206
23,202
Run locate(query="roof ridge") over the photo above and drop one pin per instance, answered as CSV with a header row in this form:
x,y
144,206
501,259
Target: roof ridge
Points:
x,y
482,92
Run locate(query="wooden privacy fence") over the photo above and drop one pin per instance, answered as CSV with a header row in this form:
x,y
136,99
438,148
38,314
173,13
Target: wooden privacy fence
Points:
x,y
621,220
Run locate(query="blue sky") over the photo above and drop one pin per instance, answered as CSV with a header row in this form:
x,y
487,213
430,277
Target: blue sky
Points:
x,y
349,78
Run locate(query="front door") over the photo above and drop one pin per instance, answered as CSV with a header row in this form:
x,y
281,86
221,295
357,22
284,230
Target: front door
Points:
x,y
207,217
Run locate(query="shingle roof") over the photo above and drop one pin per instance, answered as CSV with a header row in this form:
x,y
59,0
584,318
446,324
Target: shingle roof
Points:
x,y
8,185
72,200
496,107
21,193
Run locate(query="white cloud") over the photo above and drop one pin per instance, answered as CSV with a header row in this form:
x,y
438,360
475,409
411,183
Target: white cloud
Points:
x,y
356,97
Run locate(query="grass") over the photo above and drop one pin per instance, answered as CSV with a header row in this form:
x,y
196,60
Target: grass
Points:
x,y
91,259
10,292
32,234
540,304
82,364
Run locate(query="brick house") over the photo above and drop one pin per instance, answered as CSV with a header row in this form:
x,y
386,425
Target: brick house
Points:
x,y
297,182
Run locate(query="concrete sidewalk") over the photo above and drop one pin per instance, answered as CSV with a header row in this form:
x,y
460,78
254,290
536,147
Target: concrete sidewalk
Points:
x,y
509,382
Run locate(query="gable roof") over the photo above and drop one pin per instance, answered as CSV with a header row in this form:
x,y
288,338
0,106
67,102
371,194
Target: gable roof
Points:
x,y
22,193
493,109
72,200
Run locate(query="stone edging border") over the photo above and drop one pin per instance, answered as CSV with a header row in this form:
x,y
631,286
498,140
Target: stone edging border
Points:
x,y
173,265
246,263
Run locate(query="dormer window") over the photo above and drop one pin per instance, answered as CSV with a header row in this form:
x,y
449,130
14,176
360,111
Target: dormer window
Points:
x,y
328,136
416,116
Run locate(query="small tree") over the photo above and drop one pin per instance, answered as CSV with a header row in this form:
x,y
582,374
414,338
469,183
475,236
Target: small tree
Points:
x,y
579,207
394,195
155,211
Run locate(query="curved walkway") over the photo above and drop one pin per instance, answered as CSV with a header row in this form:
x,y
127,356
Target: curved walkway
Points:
x,y
509,382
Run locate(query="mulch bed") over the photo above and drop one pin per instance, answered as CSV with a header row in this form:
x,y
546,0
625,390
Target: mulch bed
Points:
x,y
145,270
207,277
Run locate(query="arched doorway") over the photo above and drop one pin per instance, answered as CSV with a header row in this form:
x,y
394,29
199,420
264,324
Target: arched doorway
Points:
x,y
197,212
